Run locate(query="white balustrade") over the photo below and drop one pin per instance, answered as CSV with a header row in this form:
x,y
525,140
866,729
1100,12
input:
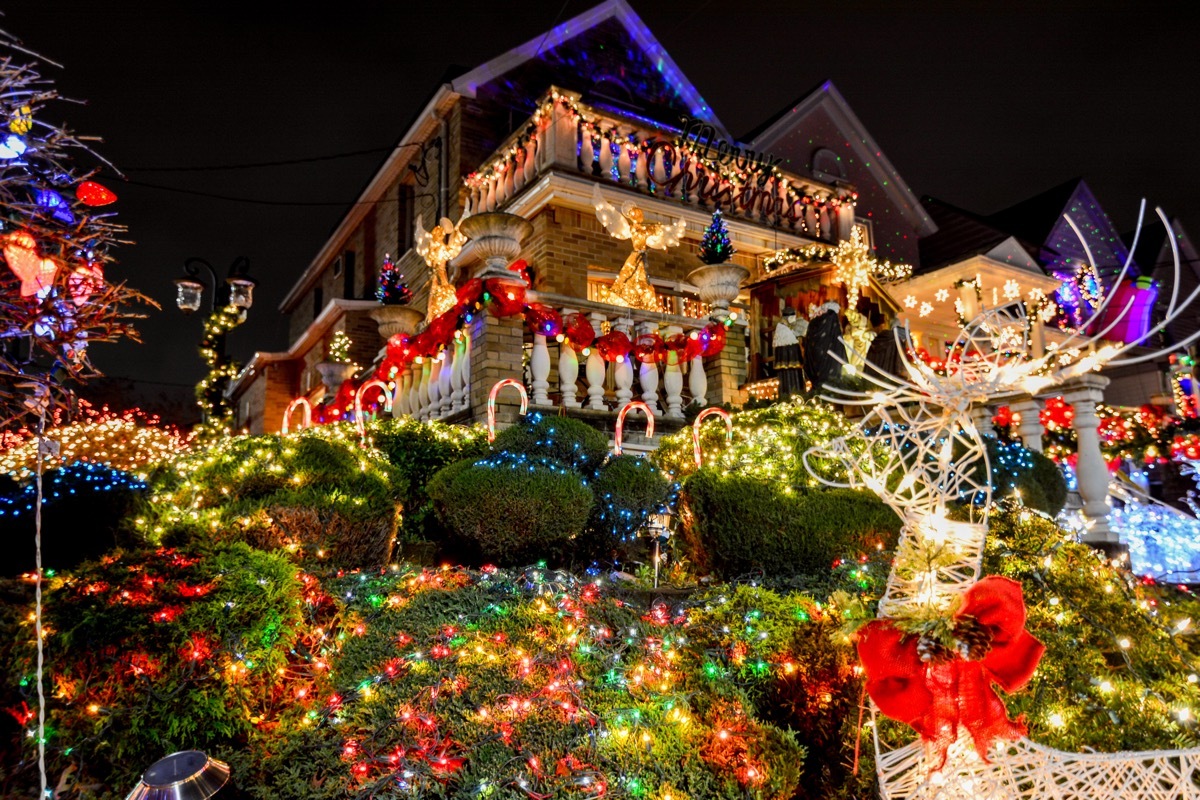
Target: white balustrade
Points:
x,y
698,381
568,368
423,390
539,367
444,377
596,369
400,407
648,373
673,377
434,390
457,382
1030,427
1091,473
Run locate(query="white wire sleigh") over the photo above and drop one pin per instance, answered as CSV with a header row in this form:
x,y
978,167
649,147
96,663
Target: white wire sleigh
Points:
x,y
919,427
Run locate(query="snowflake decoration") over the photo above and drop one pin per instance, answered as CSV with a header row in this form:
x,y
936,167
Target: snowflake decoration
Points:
x,y
942,295
910,302
1012,289
926,309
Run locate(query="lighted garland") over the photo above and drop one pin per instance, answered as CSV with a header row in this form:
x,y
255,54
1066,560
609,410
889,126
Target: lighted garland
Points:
x,y
210,391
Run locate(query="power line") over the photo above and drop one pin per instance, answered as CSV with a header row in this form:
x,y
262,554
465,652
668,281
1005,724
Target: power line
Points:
x,y
259,201
278,163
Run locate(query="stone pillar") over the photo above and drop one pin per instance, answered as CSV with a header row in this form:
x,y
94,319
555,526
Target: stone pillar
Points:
x,y
1091,473
1030,428
727,370
981,415
496,346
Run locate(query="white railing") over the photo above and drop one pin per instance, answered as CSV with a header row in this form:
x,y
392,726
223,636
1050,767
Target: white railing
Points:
x,y
438,387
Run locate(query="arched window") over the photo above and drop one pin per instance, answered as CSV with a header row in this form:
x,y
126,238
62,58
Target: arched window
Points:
x,y
826,166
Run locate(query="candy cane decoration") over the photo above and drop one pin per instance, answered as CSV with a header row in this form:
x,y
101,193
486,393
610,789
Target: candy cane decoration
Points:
x,y
709,412
638,404
500,384
358,406
305,421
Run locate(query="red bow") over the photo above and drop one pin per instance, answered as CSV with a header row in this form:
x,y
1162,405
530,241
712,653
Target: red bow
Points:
x,y
935,698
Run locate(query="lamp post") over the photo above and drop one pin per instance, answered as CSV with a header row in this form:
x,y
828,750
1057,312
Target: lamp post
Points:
x,y
229,303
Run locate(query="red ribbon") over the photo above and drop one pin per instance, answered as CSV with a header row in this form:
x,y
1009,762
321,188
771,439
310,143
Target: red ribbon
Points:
x,y
935,698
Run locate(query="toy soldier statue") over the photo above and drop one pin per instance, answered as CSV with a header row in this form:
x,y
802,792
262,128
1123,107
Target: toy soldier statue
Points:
x,y
789,367
821,344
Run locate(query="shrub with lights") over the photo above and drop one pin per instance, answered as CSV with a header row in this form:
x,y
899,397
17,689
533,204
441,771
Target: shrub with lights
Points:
x,y
318,495
130,441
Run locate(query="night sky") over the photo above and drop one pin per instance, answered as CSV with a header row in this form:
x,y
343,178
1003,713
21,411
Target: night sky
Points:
x,y
980,105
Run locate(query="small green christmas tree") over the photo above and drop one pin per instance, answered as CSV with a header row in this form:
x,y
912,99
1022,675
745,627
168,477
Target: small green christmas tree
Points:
x,y
715,247
392,290
339,348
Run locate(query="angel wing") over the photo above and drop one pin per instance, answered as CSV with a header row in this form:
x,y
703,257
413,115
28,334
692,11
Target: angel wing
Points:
x,y
421,236
612,220
668,237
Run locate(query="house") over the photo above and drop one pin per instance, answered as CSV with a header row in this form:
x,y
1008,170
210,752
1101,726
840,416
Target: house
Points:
x,y
596,104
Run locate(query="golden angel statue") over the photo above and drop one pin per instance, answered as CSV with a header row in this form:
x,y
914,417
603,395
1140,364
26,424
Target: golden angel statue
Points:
x,y
858,338
438,247
632,288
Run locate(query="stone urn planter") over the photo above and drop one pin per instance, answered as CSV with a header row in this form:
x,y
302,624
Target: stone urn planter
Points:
x,y
334,374
397,319
718,284
496,237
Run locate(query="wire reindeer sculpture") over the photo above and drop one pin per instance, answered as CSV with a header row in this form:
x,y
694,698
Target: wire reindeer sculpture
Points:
x,y
925,453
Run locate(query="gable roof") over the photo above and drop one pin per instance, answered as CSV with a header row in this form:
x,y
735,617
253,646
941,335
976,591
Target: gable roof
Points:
x,y
961,235
1032,219
618,10
827,97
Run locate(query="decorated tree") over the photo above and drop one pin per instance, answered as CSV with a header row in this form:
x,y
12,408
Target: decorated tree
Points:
x,y
392,289
715,247
56,239
339,348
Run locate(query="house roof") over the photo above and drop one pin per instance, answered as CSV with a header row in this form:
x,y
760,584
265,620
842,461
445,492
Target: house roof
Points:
x,y
869,152
960,234
1034,218
617,10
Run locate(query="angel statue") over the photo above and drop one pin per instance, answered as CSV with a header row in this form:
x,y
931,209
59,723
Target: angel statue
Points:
x,y
438,247
858,338
632,289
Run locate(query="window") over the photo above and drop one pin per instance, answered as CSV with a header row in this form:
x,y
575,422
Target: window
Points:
x,y
827,166
347,262
318,301
337,267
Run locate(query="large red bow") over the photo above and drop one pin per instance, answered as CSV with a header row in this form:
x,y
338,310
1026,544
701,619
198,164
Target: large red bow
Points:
x,y
936,697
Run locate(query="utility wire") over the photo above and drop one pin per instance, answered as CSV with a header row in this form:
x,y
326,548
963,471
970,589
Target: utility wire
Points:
x,y
279,163
257,200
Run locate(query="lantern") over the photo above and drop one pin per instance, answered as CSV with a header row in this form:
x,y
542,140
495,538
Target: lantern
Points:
x,y
189,292
241,291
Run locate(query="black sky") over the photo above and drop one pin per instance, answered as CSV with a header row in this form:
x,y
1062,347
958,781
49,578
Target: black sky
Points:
x,y
979,104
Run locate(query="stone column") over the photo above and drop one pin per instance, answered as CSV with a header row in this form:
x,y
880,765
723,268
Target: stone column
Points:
x,y
981,415
1091,473
1030,428
727,370
495,353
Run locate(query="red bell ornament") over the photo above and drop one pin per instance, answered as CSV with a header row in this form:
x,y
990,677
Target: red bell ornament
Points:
x,y
543,320
614,346
579,330
507,297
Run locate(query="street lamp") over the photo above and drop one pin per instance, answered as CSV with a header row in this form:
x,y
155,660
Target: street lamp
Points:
x,y
237,289
229,302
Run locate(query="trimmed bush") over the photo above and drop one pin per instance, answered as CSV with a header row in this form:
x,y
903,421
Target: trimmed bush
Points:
x,y
417,451
627,490
319,496
516,509
735,524
576,444
83,515
1036,477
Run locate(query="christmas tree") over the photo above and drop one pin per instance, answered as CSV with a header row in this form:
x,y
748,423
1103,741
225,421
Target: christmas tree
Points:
x,y
392,290
715,247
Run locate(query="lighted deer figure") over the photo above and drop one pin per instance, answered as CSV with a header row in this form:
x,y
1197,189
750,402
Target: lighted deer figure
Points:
x,y
925,454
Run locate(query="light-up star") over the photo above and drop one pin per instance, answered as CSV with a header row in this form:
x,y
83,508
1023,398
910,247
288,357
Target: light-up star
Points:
x,y
854,266
926,309
942,295
910,302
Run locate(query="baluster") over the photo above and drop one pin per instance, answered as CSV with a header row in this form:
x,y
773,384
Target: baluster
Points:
x,y
595,369
435,389
465,401
472,199
444,400
510,178
568,367
490,203
414,384
673,377
519,169
579,146
422,391
623,368
403,386
531,148
698,381
648,374
597,153
539,367
456,372
628,172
